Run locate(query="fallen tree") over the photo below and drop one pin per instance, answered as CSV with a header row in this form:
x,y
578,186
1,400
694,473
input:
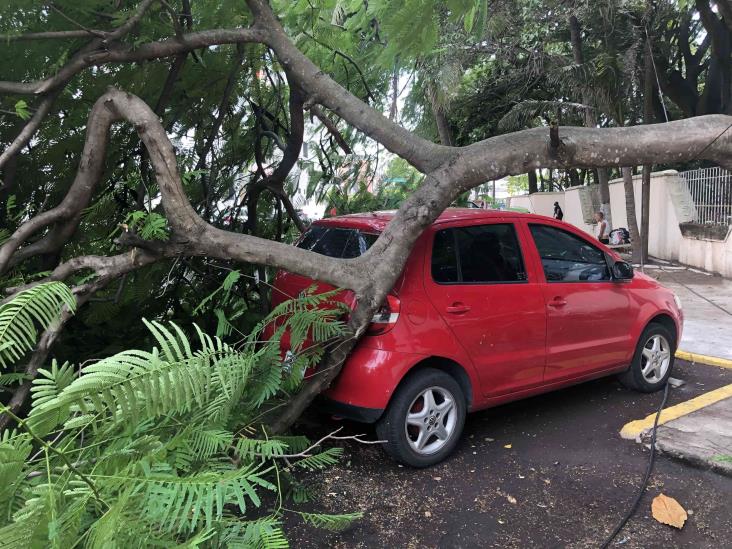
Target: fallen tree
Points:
x,y
448,171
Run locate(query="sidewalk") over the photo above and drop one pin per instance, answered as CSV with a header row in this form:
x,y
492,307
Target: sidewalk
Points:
x,y
703,438
707,303
697,431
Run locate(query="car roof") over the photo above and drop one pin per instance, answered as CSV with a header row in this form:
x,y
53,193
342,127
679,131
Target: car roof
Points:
x,y
377,221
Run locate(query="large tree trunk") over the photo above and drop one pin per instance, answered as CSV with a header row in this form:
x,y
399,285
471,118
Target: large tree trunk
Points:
x,y
648,118
443,125
718,79
575,37
645,211
630,212
533,184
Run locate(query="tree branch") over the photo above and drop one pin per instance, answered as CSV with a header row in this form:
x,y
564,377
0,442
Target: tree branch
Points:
x,y
332,128
51,35
189,230
30,128
60,82
421,153
144,52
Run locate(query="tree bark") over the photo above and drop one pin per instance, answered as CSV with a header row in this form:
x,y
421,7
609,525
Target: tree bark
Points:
x,y
648,118
635,239
718,80
575,36
533,186
441,121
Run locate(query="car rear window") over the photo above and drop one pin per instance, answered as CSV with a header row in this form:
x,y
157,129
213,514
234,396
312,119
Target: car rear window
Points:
x,y
336,241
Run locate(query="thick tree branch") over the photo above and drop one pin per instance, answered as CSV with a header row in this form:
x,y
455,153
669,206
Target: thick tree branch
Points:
x,y
421,153
51,35
50,94
107,269
145,52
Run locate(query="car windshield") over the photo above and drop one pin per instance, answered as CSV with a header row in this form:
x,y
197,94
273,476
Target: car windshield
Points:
x,y
336,241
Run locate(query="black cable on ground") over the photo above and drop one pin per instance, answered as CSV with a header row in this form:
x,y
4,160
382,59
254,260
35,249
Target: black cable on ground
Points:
x,y
649,470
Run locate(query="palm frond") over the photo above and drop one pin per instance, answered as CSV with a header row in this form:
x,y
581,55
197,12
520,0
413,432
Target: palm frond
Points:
x,y
320,461
522,114
134,383
248,534
334,523
20,317
207,442
181,502
14,450
255,449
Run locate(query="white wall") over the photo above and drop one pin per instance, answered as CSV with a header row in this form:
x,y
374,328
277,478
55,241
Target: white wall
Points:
x,y
578,208
539,203
671,204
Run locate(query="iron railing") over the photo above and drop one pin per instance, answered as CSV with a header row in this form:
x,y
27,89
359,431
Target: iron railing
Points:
x,y
711,191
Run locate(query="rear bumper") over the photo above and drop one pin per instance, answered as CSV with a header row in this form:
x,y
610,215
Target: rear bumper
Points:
x,y
349,411
368,379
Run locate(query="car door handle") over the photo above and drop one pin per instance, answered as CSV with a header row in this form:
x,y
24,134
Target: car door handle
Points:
x,y
457,308
557,302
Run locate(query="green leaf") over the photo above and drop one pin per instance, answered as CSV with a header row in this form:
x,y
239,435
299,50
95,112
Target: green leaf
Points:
x,y
21,109
20,317
182,502
469,19
334,523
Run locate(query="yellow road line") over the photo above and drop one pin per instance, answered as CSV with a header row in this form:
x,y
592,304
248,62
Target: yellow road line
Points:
x,y
634,428
704,359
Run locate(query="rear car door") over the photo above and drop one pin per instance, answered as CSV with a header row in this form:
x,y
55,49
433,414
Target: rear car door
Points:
x,y
476,277
588,314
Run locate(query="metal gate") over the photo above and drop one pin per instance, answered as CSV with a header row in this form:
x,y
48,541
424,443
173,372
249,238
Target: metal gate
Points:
x,y
711,191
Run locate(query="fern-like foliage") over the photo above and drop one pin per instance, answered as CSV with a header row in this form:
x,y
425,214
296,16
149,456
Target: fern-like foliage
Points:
x,y
149,225
153,442
30,309
334,523
523,114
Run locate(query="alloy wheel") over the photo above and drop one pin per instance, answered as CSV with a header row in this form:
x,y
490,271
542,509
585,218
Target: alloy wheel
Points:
x,y
655,358
431,420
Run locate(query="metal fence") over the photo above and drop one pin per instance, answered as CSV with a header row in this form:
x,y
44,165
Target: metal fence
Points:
x,y
711,191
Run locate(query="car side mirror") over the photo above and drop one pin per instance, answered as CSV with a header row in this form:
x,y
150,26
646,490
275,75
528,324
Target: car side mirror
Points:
x,y
622,270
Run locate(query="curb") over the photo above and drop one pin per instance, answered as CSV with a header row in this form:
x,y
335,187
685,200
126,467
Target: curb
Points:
x,y
634,429
704,359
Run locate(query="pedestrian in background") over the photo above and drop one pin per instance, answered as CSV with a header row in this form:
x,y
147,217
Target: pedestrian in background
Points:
x,y
558,213
603,228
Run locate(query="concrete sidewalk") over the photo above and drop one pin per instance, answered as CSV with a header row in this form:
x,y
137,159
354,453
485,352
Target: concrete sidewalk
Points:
x,y
707,303
703,438
697,431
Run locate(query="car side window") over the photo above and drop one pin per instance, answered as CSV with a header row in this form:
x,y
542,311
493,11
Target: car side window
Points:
x,y
444,258
566,257
480,254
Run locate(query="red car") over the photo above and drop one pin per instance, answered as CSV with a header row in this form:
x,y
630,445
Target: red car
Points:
x,y
491,307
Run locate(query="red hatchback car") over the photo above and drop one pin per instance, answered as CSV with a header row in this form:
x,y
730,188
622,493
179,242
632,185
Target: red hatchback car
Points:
x,y
492,306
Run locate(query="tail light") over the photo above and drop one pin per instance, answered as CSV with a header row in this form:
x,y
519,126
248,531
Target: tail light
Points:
x,y
386,317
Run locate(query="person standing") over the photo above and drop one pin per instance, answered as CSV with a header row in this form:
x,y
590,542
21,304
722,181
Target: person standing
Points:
x,y
602,231
558,213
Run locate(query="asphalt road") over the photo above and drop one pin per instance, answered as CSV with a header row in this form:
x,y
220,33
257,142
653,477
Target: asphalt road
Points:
x,y
565,480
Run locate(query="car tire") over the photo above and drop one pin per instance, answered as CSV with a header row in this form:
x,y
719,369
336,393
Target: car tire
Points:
x,y
653,360
425,418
